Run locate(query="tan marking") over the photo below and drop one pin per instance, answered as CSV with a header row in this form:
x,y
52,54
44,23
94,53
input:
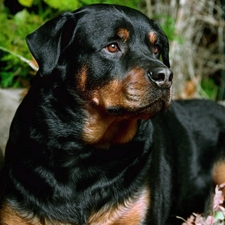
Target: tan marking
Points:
x,y
95,101
131,92
123,34
219,173
81,79
8,216
152,37
153,40
132,212
101,127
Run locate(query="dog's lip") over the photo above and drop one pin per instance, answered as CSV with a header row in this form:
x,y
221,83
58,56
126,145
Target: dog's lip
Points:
x,y
144,112
151,109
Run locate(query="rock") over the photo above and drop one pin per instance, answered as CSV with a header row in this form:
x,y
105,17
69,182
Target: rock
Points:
x,y
9,101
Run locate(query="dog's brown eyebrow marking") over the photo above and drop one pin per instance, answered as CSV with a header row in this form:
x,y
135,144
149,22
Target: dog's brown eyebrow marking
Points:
x,y
152,37
124,34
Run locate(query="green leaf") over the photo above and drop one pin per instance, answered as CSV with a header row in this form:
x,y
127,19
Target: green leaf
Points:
x,y
209,87
218,215
21,16
26,3
62,5
7,79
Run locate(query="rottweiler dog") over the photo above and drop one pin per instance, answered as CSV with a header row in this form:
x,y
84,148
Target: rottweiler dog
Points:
x,y
97,139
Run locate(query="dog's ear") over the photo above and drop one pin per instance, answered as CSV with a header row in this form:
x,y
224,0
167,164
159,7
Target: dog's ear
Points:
x,y
164,43
48,41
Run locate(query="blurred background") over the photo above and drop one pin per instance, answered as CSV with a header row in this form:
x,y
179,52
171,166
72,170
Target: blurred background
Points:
x,y
195,28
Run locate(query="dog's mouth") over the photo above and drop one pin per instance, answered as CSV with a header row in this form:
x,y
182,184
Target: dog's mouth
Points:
x,y
110,122
145,112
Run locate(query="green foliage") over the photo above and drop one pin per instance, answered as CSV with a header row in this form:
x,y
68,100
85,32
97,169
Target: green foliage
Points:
x,y
71,5
210,88
26,3
62,5
168,25
14,29
130,3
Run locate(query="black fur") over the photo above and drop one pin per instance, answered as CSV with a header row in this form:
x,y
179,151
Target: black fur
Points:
x,y
51,173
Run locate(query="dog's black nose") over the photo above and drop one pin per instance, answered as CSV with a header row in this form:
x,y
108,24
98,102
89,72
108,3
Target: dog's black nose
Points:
x,y
162,77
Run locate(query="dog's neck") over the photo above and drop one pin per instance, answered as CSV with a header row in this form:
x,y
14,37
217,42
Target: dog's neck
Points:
x,y
102,129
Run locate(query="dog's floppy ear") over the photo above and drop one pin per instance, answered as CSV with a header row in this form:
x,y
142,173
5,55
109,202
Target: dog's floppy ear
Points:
x,y
48,41
165,45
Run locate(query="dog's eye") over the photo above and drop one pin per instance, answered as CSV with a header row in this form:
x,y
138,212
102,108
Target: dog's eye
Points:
x,y
156,49
113,48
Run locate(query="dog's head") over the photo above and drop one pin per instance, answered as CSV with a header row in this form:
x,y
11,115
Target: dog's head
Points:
x,y
111,54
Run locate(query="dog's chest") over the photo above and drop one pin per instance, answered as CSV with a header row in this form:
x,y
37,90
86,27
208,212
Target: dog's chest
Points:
x,y
132,212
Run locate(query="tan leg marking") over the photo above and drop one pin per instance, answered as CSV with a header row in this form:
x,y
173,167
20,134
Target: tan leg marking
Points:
x,y
219,173
8,216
